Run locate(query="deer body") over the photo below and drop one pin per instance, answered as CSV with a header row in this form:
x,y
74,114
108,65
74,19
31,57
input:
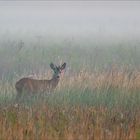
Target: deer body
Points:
x,y
32,86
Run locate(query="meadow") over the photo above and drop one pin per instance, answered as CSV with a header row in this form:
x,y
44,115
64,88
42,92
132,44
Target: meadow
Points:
x,y
98,97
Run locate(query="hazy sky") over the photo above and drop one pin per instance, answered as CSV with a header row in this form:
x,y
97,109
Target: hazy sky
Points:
x,y
111,17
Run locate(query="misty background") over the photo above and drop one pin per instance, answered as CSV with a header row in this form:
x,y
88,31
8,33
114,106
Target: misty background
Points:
x,y
91,35
99,20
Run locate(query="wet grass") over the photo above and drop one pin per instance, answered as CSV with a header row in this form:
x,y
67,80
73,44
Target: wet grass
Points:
x,y
97,97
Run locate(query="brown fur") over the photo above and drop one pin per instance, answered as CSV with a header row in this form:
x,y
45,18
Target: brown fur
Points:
x,y
31,86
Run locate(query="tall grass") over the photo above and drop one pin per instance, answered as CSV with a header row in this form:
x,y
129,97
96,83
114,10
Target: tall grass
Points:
x,y
21,59
101,105
97,97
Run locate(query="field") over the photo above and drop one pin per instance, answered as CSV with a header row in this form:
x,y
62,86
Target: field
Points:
x,y
98,97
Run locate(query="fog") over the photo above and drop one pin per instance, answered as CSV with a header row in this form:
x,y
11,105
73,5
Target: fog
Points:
x,y
95,34
101,19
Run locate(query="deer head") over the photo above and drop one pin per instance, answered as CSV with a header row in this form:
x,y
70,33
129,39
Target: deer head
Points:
x,y
57,69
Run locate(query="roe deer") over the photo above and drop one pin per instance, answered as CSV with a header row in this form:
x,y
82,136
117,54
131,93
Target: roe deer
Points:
x,y
29,85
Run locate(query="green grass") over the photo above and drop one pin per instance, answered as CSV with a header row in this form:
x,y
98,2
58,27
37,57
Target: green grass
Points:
x,y
98,95
34,57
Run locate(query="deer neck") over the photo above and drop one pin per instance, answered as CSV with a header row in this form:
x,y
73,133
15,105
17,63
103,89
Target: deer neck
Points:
x,y
55,80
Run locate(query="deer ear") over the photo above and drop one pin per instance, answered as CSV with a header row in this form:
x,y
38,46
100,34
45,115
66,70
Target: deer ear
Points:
x,y
52,66
63,66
